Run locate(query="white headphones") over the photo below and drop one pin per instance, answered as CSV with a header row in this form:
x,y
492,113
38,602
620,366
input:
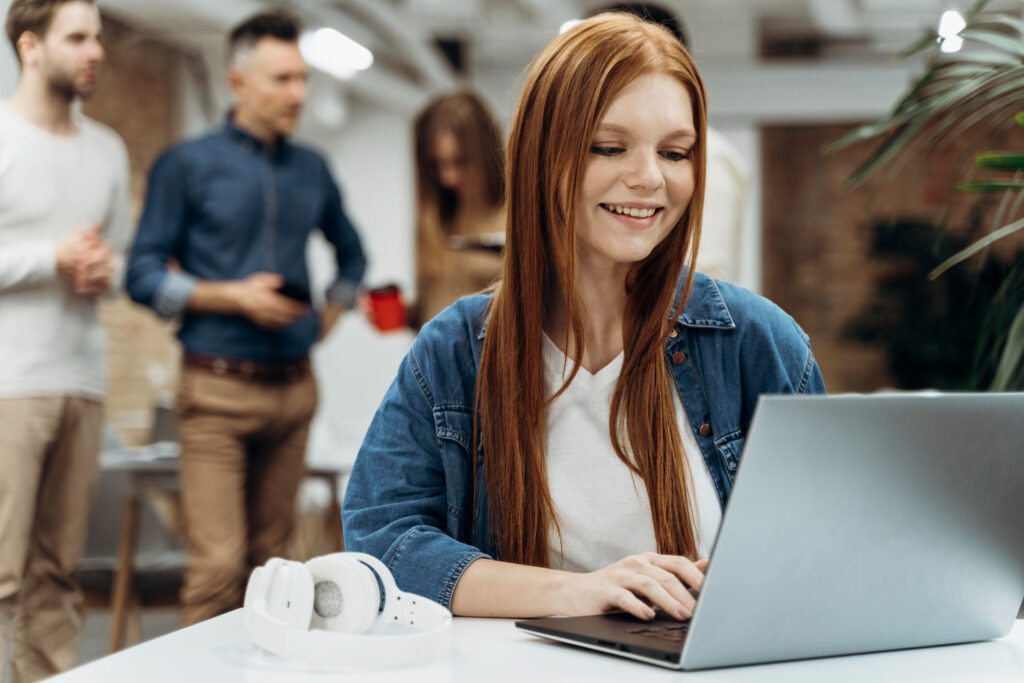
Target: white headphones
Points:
x,y
323,611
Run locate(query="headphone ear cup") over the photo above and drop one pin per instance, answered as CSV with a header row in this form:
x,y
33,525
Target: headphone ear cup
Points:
x,y
346,594
290,593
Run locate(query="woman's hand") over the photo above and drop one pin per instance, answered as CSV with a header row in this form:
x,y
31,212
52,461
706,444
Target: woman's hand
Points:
x,y
633,582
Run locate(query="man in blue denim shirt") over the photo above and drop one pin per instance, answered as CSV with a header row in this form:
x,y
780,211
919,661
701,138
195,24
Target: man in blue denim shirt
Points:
x,y
234,210
409,500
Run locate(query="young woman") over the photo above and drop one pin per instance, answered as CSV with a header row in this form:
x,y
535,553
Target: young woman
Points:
x,y
459,183
566,445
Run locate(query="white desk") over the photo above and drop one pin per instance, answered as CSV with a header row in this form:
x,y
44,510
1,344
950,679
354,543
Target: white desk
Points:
x,y
493,650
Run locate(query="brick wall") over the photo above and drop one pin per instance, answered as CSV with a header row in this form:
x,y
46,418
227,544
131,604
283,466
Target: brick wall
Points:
x,y
137,96
817,235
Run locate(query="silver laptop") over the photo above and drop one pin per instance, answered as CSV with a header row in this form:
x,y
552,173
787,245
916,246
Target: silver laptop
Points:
x,y
856,524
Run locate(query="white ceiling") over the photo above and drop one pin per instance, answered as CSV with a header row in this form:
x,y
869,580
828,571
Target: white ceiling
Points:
x,y
506,33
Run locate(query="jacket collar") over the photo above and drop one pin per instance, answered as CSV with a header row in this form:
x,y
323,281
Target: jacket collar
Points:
x,y
705,308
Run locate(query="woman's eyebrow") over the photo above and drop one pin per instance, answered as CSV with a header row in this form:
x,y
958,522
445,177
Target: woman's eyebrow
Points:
x,y
622,130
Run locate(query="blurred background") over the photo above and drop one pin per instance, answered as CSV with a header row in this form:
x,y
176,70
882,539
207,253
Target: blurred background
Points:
x,y
784,78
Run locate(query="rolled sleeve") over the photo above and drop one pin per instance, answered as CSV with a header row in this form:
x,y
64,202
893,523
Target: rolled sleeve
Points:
x,y
158,239
343,293
173,293
339,231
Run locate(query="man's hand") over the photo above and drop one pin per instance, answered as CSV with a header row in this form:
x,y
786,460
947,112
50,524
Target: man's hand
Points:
x,y
329,316
95,269
256,297
86,261
69,252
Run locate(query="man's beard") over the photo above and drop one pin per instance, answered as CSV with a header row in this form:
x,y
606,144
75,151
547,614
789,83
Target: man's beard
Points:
x,y
63,83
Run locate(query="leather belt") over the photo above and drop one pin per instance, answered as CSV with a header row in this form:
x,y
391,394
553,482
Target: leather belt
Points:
x,y
281,372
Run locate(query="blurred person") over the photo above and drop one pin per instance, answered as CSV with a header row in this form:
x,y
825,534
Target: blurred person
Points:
x,y
728,177
63,226
566,444
233,210
459,182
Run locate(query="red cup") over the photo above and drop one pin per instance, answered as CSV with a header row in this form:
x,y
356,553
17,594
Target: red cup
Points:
x,y
387,310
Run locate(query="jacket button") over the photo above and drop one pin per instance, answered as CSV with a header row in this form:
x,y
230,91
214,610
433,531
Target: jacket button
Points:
x,y
705,430
673,333
678,357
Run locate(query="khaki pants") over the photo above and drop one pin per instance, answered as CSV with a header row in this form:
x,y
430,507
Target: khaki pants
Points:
x,y
48,468
243,446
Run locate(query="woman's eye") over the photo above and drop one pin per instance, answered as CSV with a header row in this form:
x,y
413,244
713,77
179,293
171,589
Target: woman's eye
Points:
x,y
675,156
605,150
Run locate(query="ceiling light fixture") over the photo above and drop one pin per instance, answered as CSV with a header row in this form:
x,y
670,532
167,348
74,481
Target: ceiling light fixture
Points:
x,y
950,25
568,25
332,52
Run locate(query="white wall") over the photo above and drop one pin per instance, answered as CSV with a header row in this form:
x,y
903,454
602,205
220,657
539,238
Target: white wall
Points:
x,y
8,62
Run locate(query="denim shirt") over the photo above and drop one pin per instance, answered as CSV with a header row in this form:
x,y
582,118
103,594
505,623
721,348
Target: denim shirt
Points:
x,y
227,205
409,497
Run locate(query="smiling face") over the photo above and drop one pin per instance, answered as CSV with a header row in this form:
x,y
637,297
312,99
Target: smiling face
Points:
x,y
639,176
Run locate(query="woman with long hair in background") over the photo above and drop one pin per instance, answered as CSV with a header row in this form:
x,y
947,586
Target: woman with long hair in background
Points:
x,y
566,444
459,183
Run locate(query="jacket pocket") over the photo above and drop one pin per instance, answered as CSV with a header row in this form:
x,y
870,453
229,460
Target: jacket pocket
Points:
x,y
453,425
730,447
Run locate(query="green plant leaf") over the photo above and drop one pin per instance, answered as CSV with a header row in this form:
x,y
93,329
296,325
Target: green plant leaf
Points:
x,y
1002,161
977,246
1010,360
975,9
1019,118
990,185
1001,41
1011,22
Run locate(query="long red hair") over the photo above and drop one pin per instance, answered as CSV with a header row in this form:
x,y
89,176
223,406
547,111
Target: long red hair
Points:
x,y
566,93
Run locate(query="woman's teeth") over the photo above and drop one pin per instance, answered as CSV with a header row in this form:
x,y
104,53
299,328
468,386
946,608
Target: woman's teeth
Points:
x,y
630,211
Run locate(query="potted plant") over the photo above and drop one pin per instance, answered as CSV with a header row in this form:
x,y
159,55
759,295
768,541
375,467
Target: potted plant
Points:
x,y
968,94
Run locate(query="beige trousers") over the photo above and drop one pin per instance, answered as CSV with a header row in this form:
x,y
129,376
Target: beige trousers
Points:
x,y
48,468
243,446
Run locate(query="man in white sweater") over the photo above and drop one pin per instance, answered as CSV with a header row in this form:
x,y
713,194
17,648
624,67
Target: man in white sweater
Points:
x,y
63,224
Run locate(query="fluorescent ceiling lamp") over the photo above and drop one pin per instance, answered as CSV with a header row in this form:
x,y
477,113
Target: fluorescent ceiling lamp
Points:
x,y
951,23
332,52
951,44
568,25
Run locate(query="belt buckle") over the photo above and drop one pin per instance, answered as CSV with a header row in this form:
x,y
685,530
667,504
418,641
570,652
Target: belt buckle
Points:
x,y
248,369
219,366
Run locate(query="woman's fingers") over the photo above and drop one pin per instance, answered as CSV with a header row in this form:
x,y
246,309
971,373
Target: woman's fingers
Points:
x,y
674,587
628,602
654,592
687,571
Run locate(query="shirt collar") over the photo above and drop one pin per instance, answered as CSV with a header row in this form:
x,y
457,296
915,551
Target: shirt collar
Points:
x,y
244,137
705,307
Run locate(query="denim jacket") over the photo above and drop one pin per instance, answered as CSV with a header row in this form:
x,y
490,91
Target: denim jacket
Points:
x,y
408,500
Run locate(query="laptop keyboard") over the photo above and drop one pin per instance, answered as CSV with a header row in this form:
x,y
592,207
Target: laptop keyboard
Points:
x,y
674,633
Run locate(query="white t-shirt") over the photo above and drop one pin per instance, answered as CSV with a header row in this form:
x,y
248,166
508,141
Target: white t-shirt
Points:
x,y
603,511
51,340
